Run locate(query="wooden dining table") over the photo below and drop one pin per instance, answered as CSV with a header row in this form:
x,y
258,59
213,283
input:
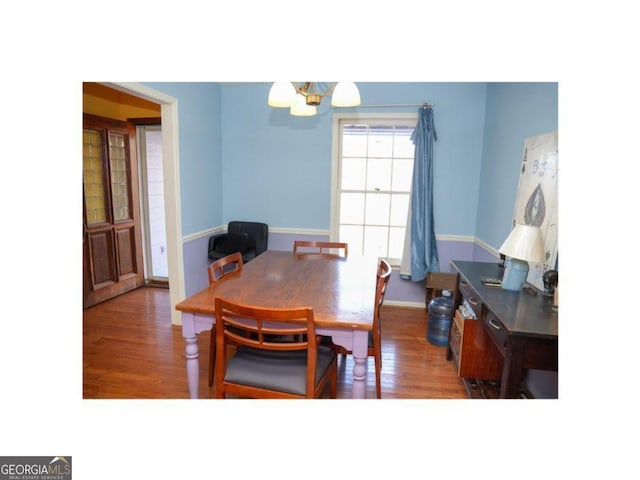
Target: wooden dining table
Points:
x,y
341,292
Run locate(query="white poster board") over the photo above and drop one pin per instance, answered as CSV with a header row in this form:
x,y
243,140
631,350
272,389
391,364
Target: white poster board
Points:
x,y
537,198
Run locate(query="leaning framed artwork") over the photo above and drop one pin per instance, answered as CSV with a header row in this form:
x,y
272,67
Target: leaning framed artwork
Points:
x,y
537,198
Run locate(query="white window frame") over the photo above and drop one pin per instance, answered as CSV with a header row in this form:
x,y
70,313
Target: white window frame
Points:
x,y
335,160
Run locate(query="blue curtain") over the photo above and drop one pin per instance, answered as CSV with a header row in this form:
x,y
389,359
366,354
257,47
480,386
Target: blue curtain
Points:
x,y
424,252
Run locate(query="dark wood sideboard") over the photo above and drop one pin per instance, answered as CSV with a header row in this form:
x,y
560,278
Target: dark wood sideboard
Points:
x,y
513,331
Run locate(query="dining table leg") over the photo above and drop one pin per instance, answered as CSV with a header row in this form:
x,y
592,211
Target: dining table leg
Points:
x,y
360,350
193,367
191,352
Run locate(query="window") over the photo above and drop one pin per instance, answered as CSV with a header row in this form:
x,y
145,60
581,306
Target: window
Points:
x,y
372,183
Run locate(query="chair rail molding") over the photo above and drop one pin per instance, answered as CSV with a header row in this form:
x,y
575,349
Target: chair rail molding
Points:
x,y
204,233
485,246
278,230
299,231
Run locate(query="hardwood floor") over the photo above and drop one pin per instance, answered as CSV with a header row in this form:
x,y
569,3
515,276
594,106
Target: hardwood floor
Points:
x,y
131,350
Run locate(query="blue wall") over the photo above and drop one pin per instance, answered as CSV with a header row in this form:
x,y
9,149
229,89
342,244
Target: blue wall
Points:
x,y
240,158
200,153
514,112
277,167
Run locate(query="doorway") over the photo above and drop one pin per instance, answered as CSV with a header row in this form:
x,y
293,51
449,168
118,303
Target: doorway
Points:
x,y
171,170
152,200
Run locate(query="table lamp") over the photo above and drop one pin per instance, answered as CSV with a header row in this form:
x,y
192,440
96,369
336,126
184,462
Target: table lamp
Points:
x,y
523,245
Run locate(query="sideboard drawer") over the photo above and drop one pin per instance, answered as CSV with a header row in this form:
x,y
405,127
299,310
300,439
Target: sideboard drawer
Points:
x,y
472,349
471,297
497,330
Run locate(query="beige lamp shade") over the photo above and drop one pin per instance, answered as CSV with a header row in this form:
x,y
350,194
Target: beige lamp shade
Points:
x,y
524,243
282,94
345,94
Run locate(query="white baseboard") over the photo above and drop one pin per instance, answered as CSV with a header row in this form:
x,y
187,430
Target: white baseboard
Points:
x,y
394,303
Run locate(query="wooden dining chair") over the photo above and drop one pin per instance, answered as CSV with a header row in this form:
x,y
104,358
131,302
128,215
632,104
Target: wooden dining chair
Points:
x,y
264,368
375,336
225,266
304,247
219,270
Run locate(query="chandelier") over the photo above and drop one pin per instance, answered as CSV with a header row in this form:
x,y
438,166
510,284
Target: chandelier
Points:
x,y
303,99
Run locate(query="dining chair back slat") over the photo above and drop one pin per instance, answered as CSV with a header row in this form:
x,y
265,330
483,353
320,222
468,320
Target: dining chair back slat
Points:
x,y
304,247
225,266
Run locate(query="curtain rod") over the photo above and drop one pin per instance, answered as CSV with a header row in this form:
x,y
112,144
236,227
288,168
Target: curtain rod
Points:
x,y
398,105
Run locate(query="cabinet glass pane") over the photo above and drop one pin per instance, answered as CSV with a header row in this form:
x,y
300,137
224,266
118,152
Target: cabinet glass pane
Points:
x,y
92,177
119,177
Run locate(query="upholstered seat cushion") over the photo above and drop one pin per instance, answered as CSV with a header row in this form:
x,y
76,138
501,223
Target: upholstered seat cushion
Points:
x,y
275,370
233,242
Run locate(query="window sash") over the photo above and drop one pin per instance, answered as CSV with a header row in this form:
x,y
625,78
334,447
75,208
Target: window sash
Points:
x,y
382,199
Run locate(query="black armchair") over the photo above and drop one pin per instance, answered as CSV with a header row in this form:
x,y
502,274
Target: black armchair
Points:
x,y
248,238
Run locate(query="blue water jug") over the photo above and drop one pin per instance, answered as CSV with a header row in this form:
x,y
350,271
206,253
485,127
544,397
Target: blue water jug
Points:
x,y
440,313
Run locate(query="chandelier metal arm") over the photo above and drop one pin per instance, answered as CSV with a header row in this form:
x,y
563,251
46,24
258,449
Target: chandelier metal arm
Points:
x,y
308,90
303,98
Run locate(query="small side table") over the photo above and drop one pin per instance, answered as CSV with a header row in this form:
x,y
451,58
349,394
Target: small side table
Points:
x,y
437,282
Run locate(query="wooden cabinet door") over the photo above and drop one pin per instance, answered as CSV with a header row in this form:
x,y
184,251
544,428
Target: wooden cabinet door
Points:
x,y
112,242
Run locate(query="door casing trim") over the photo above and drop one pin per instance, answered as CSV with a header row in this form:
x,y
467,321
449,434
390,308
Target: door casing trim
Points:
x,y
171,177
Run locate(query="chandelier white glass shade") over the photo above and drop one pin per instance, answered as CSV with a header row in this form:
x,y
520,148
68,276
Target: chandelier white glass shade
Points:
x,y
301,109
303,99
345,94
282,94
